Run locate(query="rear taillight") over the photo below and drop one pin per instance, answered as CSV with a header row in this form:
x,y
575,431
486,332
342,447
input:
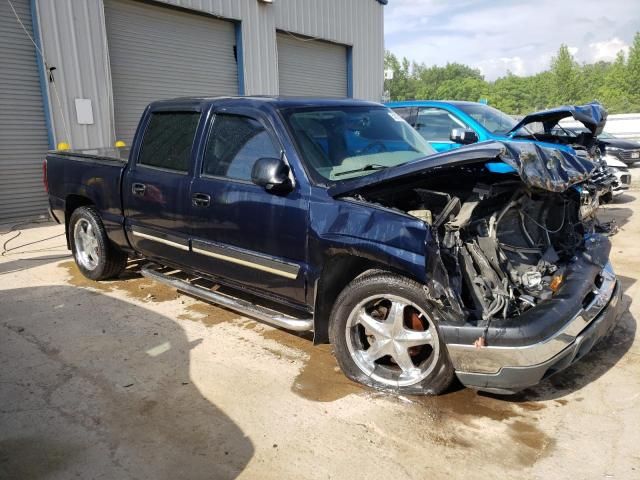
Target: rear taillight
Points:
x,y
45,181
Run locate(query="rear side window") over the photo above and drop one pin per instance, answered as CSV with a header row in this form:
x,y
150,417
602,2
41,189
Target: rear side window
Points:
x,y
235,143
168,140
435,124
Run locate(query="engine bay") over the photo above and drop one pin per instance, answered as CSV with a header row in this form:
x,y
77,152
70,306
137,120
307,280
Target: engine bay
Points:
x,y
498,246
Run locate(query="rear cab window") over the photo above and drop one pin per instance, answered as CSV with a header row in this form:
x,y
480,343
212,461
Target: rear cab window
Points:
x,y
168,141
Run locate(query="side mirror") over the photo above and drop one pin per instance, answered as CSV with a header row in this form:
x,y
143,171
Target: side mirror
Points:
x,y
272,174
465,136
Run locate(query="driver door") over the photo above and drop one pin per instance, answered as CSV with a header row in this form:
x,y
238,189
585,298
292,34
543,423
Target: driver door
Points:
x,y
240,231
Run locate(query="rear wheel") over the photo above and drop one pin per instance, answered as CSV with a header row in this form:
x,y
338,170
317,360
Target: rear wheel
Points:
x,y
385,336
96,257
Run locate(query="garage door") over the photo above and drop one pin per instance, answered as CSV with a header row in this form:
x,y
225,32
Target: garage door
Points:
x,y
311,68
158,52
23,132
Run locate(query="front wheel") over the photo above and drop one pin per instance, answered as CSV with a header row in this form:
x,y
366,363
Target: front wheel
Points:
x,y
384,336
97,258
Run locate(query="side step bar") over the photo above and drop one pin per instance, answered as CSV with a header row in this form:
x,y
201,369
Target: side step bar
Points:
x,y
245,307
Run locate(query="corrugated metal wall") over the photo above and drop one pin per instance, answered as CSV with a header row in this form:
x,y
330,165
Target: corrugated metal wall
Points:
x,y
74,42
311,68
23,132
158,52
74,39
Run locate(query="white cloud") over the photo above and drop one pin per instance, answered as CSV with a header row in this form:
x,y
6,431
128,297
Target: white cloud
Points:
x,y
516,35
494,67
607,50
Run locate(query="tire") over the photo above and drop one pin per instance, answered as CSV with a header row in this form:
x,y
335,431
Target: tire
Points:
x,y
96,257
397,316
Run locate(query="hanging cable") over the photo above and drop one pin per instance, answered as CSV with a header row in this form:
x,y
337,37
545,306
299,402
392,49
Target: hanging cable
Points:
x,y
49,71
305,39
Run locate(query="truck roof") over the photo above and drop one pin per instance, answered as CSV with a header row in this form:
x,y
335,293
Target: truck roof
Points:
x,y
259,101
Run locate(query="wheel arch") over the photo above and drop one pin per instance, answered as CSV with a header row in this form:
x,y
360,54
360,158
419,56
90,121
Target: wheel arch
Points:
x,y
72,203
337,272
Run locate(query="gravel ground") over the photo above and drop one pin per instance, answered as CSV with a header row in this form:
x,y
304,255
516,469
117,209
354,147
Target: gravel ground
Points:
x,y
129,379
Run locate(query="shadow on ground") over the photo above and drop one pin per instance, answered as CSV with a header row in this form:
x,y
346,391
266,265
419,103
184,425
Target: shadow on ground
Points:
x,y
623,199
621,215
94,386
19,264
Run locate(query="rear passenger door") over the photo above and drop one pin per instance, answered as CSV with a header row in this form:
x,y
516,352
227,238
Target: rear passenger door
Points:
x,y
157,184
240,231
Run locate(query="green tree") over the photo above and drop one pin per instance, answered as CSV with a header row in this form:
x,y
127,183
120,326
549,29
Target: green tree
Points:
x,y
402,85
566,86
612,92
468,88
615,84
633,74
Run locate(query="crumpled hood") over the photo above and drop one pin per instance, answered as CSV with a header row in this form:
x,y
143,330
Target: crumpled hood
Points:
x,y
592,115
540,167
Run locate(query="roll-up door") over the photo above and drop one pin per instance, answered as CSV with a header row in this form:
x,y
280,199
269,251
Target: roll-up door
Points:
x,y
311,67
159,52
23,132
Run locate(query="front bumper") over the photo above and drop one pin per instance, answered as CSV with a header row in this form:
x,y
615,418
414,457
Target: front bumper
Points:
x,y
511,368
624,181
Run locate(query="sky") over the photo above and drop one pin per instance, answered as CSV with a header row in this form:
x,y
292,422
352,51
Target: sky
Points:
x,y
496,36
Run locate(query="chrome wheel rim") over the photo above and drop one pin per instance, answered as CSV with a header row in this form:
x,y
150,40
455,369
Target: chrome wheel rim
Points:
x,y
392,340
86,244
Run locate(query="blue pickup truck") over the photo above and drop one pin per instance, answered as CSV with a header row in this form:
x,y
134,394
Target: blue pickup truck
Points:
x,y
335,216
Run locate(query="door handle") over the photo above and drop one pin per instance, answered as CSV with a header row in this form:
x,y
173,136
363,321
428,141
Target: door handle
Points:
x,y
201,200
138,189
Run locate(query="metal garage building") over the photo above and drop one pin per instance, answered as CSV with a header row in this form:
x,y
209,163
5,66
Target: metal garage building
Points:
x,y
109,58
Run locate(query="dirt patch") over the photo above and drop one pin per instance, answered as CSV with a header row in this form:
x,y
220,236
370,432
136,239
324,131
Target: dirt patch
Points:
x,y
208,314
459,411
320,379
129,282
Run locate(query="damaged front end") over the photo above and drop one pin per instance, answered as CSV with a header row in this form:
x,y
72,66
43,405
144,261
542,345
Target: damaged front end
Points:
x,y
506,232
544,126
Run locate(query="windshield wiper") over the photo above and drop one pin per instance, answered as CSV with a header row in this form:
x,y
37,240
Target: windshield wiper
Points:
x,y
370,166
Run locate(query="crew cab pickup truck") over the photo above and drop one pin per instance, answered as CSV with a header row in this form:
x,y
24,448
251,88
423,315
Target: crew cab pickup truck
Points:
x,y
335,216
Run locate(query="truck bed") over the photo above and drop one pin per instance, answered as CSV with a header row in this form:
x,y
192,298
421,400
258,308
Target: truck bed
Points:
x,y
120,155
93,176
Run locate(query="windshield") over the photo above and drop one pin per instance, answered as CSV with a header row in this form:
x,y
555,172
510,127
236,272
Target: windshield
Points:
x,y
490,118
337,143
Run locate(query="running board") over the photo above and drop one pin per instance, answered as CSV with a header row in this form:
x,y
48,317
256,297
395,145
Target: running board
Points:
x,y
239,305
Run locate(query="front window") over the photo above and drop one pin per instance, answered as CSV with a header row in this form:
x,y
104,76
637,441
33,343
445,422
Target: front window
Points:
x,y
492,119
337,143
235,144
435,124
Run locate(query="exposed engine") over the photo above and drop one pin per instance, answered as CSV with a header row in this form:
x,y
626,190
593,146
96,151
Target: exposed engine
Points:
x,y
500,247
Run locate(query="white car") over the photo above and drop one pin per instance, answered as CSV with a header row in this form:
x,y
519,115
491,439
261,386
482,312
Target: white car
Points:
x,y
621,171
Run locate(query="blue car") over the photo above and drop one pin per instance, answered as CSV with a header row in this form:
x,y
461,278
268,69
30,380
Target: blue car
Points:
x,y
450,124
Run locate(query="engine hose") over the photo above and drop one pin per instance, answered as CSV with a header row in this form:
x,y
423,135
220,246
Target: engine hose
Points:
x,y
524,229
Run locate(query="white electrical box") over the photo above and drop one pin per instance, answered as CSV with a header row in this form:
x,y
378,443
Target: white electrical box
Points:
x,y
84,111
